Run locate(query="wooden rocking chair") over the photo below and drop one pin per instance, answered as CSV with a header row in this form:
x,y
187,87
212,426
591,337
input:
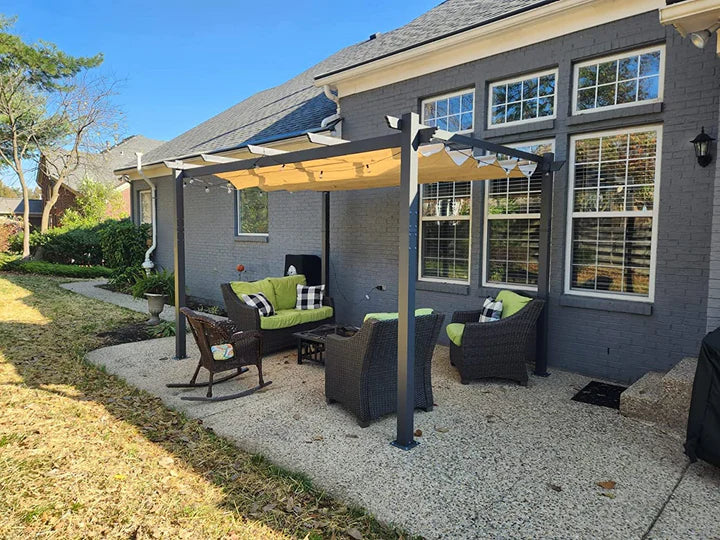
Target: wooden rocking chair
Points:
x,y
247,347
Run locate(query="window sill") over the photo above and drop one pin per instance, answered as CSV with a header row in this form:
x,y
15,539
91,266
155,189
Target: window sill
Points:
x,y
606,304
540,125
436,286
612,114
252,238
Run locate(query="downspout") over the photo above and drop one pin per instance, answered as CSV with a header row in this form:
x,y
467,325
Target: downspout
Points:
x,y
147,264
333,117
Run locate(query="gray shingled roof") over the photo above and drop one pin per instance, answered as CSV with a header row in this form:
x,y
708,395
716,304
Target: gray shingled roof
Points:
x,y
13,205
100,166
297,106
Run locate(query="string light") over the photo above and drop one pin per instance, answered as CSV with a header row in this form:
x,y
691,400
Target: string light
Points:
x,y
192,180
229,189
207,189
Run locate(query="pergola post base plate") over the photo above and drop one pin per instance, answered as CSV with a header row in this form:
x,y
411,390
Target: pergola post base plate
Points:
x,y
401,446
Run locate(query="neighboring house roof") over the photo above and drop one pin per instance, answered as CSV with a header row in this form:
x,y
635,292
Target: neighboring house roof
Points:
x,y
13,205
298,106
100,166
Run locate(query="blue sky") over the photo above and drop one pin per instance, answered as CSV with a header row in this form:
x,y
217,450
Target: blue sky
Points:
x,y
182,62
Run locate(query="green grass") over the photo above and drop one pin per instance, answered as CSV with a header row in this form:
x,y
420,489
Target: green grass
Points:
x,y
16,264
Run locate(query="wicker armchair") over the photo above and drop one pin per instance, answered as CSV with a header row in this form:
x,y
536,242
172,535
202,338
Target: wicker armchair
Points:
x,y
247,318
246,345
495,349
361,371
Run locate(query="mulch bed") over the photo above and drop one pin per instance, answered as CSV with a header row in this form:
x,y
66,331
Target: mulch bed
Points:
x,y
192,303
126,334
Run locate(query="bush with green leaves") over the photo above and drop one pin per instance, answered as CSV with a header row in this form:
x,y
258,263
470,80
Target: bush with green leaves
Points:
x,y
123,243
123,279
159,282
54,269
162,329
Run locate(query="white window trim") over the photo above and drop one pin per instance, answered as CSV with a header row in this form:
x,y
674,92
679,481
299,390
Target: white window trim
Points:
x,y
625,54
447,96
238,221
485,251
140,194
650,298
521,78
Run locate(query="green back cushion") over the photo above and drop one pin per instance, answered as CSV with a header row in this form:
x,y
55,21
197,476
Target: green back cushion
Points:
x,y
512,302
285,318
455,331
390,316
286,290
251,287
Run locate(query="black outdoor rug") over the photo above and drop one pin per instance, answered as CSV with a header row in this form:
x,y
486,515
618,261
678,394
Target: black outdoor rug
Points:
x,y
601,394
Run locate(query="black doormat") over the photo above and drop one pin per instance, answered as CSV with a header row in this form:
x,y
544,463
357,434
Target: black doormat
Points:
x,y
601,394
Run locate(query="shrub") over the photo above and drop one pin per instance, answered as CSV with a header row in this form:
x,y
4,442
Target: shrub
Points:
x,y
54,269
162,329
162,282
80,245
8,230
123,243
124,278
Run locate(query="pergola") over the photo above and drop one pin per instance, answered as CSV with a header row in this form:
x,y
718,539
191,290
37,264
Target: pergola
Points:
x,y
413,155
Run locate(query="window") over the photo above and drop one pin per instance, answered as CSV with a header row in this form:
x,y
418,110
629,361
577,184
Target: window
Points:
x,y
526,99
611,241
619,81
252,212
453,112
512,226
145,206
445,206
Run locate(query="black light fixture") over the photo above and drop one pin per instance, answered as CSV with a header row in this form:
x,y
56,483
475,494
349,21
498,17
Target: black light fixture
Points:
x,y
702,148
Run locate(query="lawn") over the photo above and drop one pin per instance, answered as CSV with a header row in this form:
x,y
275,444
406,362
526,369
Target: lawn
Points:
x,y
82,454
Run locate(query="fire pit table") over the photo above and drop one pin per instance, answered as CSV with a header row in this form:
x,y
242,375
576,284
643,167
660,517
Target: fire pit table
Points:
x,y
311,343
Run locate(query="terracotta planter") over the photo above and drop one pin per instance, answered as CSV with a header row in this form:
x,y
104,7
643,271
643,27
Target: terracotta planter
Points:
x,y
156,303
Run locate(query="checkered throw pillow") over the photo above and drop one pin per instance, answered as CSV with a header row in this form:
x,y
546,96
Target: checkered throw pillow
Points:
x,y
491,310
260,302
309,297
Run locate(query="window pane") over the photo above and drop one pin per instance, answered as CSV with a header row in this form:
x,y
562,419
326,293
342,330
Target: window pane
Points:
x,y
442,107
253,211
429,110
587,76
454,105
547,85
467,102
607,72
546,106
586,99
530,89
466,121
453,122
498,115
650,63
145,207
513,112
648,88
499,95
514,91
529,109
627,92
606,95
628,68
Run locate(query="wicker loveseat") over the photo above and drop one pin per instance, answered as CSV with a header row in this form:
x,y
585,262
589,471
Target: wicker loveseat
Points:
x,y
277,330
496,349
361,371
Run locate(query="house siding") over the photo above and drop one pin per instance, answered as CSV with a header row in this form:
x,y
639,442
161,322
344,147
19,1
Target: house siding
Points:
x,y
619,340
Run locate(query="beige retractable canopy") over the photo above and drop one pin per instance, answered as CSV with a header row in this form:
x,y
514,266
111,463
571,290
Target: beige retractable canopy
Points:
x,y
377,169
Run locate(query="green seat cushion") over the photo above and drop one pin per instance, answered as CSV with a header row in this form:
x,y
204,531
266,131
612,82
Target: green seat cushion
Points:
x,y
391,316
285,318
286,290
252,287
512,302
455,331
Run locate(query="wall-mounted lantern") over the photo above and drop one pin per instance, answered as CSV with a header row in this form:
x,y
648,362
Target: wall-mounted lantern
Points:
x,y
702,148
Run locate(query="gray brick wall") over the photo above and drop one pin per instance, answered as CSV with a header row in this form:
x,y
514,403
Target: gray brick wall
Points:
x,y
713,312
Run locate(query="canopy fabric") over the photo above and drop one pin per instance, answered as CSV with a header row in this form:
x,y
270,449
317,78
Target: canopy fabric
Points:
x,y
378,169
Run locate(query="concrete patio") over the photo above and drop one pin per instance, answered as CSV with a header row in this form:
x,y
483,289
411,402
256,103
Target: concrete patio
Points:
x,y
495,459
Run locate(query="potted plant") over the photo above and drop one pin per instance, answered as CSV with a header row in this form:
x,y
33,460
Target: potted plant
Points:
x,y
158,288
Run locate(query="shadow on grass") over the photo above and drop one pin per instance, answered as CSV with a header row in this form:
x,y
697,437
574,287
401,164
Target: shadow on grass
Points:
x,y
49,357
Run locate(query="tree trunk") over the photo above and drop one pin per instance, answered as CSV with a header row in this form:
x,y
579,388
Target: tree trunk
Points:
x,y
54,194
26,221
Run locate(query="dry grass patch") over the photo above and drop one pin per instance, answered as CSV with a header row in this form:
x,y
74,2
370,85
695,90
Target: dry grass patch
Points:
x,y
82,454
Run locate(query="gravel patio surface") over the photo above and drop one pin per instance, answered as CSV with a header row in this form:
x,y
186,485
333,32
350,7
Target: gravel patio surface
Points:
x,y
495,459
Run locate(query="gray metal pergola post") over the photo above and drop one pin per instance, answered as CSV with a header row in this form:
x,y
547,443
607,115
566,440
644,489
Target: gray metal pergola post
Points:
x,y
407,272
179,261
325,241
543,291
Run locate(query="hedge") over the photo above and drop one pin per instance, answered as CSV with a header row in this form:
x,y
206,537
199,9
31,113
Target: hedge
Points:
x,y
53,269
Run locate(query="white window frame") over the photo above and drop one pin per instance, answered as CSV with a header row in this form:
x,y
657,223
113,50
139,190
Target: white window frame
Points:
x,y
506,217
238,218
140,194
619,56
446,218
650,298
525,77
448,96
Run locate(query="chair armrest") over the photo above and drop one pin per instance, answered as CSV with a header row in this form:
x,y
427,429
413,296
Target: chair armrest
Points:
x,y
484,333
328,301
245,317
245,335
466,316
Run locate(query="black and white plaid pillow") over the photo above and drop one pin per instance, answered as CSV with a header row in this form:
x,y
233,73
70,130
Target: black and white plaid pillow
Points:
x,y
491,310
309,297
260,302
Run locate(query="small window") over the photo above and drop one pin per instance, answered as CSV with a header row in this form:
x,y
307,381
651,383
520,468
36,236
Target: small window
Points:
x,y
145,206
526,99
252,212
512,226
611,240
452,112
619,81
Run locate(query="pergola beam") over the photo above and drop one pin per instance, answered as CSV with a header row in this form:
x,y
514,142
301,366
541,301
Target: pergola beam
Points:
x,y
209,158
180,165
318,138
264,150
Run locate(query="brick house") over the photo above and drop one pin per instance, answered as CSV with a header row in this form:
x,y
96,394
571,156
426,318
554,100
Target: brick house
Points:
x,y
617,89
99,167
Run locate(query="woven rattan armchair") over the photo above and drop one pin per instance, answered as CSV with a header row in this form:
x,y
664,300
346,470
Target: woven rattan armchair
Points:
x,y
247,347
495,349
361,371
247,318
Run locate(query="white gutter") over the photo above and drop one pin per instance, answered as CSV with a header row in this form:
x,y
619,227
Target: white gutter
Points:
x,y
333,117
147,263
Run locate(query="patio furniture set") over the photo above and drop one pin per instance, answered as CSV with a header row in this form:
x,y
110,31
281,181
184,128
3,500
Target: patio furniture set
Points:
x,y
360,363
